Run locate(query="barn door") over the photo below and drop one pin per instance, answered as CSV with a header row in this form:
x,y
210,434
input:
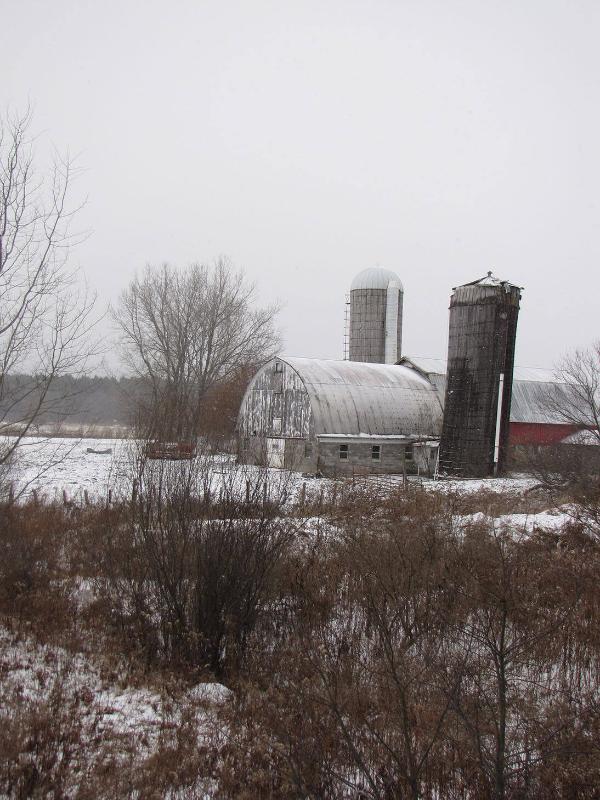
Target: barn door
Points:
x,y
275,453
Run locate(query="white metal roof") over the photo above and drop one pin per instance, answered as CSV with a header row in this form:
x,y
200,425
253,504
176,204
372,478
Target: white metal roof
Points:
x,y
355,397
532,387
437,366
375,278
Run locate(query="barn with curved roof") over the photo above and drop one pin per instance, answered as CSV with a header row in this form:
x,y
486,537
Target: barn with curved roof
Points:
x,y
337,417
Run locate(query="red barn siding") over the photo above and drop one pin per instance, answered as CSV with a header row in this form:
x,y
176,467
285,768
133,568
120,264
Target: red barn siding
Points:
x,y
538,433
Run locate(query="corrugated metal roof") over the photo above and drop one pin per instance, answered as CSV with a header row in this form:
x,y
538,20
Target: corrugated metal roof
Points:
x,y
531,400
437,366
356,397
531,389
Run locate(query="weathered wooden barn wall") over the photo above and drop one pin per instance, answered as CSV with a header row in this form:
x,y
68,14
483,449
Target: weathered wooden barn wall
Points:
x,y
276,406
481,346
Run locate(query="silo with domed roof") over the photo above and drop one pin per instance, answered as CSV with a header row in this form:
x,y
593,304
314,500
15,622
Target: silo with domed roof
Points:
x,y
376,298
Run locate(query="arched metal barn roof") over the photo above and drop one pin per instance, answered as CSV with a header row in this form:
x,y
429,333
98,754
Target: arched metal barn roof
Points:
x,y
355,397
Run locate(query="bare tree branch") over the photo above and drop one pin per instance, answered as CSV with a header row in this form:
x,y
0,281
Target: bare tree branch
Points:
x,y
185,331
45,318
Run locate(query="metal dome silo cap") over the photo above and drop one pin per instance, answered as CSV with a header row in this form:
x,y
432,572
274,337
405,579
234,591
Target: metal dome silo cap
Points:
x,y
376,278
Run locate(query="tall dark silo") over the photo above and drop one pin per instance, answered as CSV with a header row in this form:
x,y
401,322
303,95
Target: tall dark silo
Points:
x,y
481,352
376,298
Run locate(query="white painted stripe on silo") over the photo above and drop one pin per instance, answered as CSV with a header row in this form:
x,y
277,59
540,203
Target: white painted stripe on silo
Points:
x,y
391,322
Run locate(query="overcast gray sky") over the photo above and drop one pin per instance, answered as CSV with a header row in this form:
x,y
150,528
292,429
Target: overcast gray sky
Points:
x,y
309,140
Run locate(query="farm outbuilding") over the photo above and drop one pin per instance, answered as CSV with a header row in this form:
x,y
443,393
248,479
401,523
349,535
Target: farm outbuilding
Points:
x,y
535,395
339,417
381,412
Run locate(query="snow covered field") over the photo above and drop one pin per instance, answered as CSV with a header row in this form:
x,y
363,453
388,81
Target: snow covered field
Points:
x,y
86,718
51,466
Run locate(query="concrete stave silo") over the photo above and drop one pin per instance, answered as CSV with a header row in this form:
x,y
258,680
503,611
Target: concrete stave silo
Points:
x,y
376,300
481,348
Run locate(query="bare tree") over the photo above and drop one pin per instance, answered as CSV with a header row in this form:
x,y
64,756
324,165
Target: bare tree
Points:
x,y
44,318
573,466
186,330
576,400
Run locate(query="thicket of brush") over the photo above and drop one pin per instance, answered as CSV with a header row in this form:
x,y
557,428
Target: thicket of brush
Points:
x,y
384,650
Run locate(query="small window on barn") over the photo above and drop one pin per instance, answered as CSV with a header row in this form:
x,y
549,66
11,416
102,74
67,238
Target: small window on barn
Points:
x,y
343,452
308,450
408,452
376,452
276,424
278,366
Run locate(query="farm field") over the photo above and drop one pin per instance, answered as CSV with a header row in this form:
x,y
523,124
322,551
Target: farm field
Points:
x,y
69,467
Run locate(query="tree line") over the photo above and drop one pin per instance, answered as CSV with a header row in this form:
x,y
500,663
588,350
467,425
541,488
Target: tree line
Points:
x,y
90,402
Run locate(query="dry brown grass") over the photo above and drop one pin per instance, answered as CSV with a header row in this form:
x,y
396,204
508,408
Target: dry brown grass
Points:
x,y
385,602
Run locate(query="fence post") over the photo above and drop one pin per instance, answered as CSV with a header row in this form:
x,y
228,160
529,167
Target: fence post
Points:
x,y
109,498
303,494
247,491
134,490
65,497
265,493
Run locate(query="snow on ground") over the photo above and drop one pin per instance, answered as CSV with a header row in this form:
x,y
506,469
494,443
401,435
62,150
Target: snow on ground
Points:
x,y
30,671
517,483
53,465
553,519
120,719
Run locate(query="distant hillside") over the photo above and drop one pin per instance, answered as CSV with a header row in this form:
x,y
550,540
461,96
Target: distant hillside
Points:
x,y
85,400
108,402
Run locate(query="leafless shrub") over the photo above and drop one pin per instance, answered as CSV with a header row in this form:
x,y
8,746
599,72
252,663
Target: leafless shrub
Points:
x,y
387,648
419,659
190,571
40,744
32,540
